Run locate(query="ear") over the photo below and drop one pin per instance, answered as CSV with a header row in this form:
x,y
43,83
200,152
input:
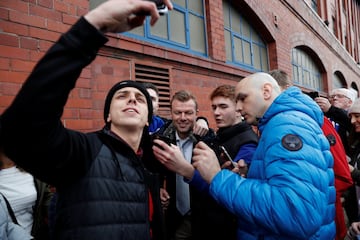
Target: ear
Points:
x,y
147,124
108,119
267,90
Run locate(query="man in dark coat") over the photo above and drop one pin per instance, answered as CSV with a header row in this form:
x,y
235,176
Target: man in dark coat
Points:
x,y
104,189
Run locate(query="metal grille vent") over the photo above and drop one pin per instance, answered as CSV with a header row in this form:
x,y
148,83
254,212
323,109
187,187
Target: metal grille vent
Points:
x,y
159,77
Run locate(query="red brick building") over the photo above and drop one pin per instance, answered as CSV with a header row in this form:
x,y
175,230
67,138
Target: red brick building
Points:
x,y
198,46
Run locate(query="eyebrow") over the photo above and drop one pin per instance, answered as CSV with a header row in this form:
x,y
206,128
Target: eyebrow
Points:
x,y
137,93
240,96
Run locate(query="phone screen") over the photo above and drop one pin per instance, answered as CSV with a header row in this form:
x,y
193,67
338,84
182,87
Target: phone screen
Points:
x,y
228,157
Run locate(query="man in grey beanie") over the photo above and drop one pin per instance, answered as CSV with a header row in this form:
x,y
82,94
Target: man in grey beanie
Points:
x,y
105,190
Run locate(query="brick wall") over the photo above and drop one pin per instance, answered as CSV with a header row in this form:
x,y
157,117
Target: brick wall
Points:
x,y
28,29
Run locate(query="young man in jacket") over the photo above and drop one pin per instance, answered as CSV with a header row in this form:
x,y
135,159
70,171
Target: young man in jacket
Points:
x,y
104,190
209,220
289,190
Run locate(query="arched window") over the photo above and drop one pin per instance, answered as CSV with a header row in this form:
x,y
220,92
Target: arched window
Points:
x,y
338,80
306,73
244,45
182,28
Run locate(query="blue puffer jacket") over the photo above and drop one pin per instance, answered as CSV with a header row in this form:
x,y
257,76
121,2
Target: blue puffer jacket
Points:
x,y
289,192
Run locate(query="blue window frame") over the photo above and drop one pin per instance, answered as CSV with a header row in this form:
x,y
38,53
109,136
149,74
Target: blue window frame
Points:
x,y
183,28
244,45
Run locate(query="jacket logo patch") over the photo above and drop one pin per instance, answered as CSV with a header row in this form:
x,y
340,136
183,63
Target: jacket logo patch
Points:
x,y
291,142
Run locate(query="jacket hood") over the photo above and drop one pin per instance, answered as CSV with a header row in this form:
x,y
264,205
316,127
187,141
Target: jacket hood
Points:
x,y
293,99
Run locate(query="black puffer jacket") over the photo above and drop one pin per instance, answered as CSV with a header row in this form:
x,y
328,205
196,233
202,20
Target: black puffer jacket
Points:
x,y
233,137
111,200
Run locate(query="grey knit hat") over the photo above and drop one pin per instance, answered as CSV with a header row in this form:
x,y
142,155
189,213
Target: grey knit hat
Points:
x,y
355,108
123,84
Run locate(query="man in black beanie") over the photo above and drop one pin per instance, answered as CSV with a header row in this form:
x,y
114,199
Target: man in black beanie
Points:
x,y
104,190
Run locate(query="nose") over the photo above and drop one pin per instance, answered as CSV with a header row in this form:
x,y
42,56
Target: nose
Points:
x,y
132,98
353,119
238,106
216,111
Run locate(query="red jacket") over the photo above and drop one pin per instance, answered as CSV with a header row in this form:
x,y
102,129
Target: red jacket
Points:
x,y
343,178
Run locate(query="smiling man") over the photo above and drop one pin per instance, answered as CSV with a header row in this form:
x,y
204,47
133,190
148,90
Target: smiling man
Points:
x,y
288,192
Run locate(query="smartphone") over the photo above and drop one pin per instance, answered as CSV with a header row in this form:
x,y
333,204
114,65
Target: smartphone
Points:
x,y
313,95
228,157
161,7
167,140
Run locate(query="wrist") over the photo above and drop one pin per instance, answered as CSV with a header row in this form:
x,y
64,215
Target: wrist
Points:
x,y
188,172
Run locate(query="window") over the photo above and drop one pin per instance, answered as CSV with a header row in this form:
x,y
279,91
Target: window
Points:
x,y
305,71
182,28
338,80
314,5
244,45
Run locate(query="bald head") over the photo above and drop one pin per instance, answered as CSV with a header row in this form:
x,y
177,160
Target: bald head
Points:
x,y
254,95
257,80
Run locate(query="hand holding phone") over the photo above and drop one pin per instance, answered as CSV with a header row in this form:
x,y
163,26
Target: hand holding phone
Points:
x,y
226,157
314,95
167,140
161,7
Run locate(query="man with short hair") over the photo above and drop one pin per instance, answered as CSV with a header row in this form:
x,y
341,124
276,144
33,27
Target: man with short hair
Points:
x,y
209,219
342,98
235,135
104,189
157,122
289,191
181,212
335,108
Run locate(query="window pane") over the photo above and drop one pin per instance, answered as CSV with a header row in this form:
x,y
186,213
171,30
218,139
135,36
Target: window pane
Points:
x,y
182,3
196,6
177,33
160,28
255,37
197,34
247,52
235,21
257,60
295,74
246,29
226,14
138,31
238,54
336,82
264,60
228,46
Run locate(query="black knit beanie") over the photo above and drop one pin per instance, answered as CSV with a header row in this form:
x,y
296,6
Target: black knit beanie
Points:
x,y
123,84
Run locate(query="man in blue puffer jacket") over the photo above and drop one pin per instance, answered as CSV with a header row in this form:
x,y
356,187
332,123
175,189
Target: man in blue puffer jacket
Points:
x,y
289,191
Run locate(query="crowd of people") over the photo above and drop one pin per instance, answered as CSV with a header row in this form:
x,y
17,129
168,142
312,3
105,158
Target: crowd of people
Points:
x,y
146,177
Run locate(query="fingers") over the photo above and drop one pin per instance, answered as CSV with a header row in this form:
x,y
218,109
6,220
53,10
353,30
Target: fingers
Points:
x,y
168,4
227,165
201,128
243,167
165,198
201,146
122,15
241,163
